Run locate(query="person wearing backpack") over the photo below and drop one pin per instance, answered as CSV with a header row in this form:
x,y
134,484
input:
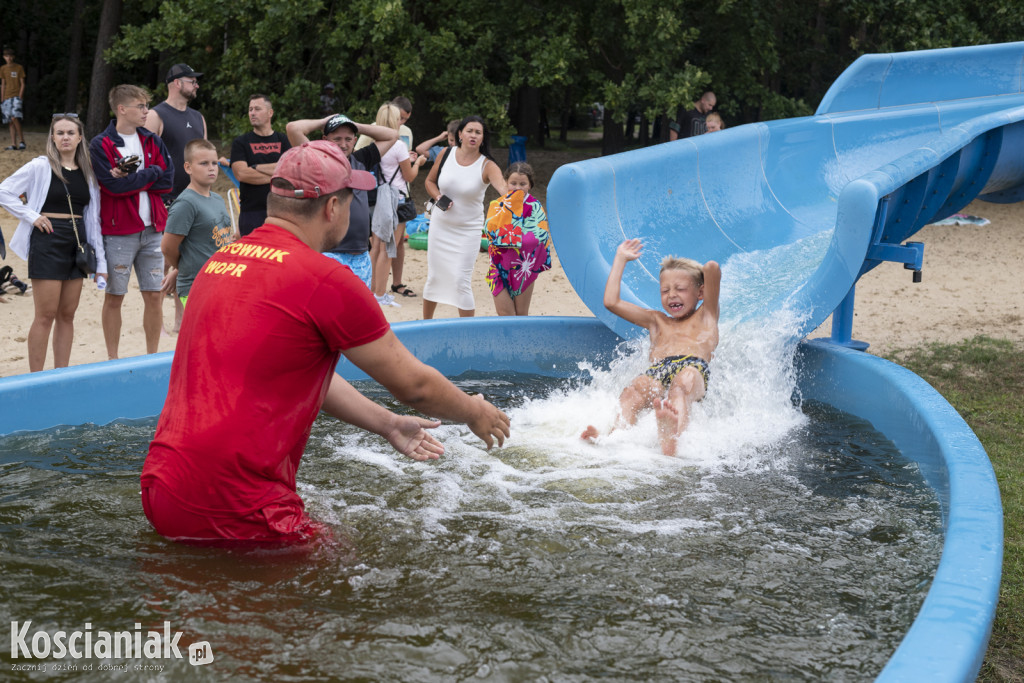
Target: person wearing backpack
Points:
x,y
392,209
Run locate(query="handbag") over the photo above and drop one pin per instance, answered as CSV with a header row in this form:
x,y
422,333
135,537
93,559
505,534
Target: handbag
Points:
x,y
406,210
85,257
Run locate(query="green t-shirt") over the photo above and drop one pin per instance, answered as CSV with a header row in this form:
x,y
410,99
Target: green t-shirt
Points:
x,y
206,225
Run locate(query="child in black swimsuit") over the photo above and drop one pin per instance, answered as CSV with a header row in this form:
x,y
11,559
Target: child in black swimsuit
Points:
x,y
683,336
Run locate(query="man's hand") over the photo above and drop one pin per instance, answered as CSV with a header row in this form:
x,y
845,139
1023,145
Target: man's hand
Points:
x,y
409,437
489,423
169,283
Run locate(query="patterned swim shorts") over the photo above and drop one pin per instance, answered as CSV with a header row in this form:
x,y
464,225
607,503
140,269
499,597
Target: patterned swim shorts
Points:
x,y
11,109
360,264
666,369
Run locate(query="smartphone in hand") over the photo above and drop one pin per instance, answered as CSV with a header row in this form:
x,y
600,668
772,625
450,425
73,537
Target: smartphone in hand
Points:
x,y
444,202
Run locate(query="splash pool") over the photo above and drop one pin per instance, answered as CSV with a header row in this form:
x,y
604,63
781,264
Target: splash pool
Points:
x,y
945,641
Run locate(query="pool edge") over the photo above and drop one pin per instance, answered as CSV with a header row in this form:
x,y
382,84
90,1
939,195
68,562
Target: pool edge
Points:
x,y
947,639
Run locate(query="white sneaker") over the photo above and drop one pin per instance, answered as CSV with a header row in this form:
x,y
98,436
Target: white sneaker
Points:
x,y
387,300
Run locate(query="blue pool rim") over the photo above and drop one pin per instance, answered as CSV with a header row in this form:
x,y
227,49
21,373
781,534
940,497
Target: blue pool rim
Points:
x,y
948,638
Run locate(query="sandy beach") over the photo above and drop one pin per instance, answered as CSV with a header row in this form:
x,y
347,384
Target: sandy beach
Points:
x,y
972,284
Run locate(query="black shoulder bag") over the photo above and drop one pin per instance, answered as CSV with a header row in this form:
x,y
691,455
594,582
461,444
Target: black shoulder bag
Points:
x,y
85,257
406,210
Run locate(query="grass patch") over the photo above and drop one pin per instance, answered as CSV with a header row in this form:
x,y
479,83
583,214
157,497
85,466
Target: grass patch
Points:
x,y
983,379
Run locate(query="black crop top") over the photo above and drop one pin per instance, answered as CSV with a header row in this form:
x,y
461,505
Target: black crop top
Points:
x,y
57,198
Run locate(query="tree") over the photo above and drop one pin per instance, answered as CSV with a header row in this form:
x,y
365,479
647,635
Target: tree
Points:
x,y
636,49
505,60
102,72
74,59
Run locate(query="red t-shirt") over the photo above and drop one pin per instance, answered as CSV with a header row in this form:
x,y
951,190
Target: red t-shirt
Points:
x,y
266,320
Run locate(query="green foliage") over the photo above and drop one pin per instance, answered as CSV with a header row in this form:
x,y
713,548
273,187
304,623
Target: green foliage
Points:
x,y
764,60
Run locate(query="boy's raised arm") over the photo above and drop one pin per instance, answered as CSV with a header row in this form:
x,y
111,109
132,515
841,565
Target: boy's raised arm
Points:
x,y
712,287
628,251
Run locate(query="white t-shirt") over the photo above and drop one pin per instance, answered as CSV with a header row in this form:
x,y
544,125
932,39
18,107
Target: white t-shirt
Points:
x,y
389,164
405,135
133,145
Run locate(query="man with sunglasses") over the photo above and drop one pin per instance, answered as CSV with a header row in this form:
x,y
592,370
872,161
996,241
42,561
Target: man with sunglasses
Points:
x,y
177,123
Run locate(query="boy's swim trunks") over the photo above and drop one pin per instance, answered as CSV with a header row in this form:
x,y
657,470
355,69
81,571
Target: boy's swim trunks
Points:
x,y
667,368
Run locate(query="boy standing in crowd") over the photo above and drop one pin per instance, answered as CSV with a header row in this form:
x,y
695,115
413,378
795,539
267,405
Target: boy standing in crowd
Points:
x,y
12,90
197,222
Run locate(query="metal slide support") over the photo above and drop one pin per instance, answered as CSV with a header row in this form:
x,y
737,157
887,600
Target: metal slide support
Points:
x,y
842,323
911,255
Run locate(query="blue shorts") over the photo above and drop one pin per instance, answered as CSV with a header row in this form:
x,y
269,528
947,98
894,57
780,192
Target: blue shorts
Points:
x,y
360,264
141,250
11,109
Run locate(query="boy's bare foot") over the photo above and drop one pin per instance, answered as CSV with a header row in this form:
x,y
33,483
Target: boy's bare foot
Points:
x,y
590,433
668,421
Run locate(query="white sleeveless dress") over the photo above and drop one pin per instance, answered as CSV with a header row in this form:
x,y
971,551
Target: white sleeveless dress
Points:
x,y
453,239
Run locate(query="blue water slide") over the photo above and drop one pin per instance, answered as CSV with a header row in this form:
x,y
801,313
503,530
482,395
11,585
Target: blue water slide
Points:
x,y
797,210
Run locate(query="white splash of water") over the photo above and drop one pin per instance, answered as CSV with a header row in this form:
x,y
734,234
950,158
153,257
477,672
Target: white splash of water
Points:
x,y
546,471
747,411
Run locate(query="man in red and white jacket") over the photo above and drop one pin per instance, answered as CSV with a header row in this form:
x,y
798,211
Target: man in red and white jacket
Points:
x,y
132,212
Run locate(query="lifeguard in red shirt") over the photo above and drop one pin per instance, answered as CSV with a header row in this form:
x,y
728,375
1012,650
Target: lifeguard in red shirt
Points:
x,y
267,320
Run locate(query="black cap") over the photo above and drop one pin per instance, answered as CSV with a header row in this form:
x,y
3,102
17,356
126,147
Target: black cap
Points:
x,y
181,71
337,121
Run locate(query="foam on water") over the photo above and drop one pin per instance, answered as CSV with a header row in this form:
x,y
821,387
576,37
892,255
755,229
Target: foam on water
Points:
x,y
545,475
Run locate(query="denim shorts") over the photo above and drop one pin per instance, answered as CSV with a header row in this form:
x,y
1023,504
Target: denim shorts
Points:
x,y
141,250
360,264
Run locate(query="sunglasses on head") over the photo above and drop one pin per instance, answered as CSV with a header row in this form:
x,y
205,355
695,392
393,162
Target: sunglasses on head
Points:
x,y
66,114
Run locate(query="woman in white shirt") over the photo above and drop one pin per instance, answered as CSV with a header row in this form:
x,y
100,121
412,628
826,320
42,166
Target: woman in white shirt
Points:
x,y
396,170
60,211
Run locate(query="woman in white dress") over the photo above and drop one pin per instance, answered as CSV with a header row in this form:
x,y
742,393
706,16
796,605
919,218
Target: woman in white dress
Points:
x,y
453,242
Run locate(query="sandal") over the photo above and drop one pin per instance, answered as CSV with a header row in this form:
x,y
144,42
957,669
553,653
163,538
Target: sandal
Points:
x,y
405,290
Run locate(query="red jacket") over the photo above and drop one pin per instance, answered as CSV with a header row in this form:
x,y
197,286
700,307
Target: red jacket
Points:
x,y
119,197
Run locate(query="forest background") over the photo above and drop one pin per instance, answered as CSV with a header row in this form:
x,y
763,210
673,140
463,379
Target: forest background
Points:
x,y
530,68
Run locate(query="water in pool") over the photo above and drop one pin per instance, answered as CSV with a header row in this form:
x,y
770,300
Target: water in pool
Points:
x,y
786,541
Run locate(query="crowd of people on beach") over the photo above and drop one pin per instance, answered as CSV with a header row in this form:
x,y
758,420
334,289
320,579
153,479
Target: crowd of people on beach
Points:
x,y
123,189
141,199
293,281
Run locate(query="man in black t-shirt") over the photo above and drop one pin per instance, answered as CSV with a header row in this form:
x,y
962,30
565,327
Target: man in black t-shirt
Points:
x,y
253,161
354,250
691,123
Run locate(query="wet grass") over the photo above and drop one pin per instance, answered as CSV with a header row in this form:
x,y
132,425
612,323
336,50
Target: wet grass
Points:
x,y
983,378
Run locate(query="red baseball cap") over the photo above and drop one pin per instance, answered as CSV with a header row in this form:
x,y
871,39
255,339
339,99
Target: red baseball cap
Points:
x,y
316,169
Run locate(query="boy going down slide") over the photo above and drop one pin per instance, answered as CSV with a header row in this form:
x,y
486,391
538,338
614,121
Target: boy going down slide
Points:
x,y
683,339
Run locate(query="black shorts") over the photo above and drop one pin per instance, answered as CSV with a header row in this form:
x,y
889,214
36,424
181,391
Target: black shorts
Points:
x,y
51,256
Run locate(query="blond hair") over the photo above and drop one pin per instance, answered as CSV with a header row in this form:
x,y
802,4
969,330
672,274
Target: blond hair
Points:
x,y
199,143
389,117
81,151
125,94
687,265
